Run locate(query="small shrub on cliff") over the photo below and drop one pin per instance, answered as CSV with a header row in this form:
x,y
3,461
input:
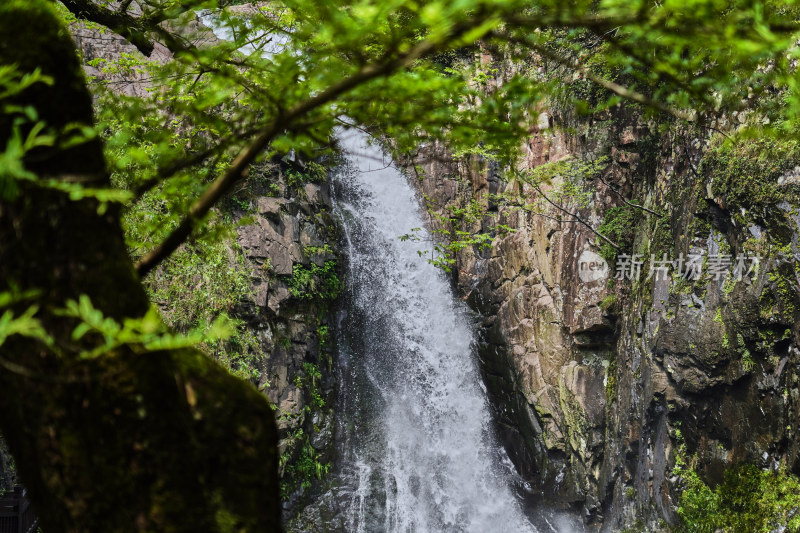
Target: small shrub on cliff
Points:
x,y
565,179
310,382
301,473
315,282
454,230
312,173
619,225
609,303
749,500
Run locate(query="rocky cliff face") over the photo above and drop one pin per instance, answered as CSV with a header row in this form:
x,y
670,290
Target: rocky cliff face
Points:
x,y
291,248
597,382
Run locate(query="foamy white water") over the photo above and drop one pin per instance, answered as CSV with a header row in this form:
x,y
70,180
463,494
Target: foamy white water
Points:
x,y
418,451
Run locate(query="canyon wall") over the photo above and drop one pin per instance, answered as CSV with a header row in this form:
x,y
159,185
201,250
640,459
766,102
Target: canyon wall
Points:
x,y
598,383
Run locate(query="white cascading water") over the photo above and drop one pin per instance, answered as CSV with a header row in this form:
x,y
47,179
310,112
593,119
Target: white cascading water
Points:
x,y
415,430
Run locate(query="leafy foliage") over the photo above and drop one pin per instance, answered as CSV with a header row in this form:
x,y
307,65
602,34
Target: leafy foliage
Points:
x,y
745,171
148,332
25,324
313,282
202,283
290,70
310,382
619,225
312,173
301,473
567,178
453,231
748,500
105,334
30,135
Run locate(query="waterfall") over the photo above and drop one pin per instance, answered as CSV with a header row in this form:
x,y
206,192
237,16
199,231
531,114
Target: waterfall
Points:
x,y
417,452
416,449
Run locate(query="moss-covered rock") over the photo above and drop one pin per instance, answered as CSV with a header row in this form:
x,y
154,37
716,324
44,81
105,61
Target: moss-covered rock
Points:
x,y
746,172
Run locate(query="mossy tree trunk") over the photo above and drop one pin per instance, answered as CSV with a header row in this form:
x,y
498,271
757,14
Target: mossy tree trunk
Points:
x,y
130,440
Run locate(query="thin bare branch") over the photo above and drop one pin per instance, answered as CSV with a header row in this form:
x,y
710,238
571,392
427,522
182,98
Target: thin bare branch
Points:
x,y
576,217
625,201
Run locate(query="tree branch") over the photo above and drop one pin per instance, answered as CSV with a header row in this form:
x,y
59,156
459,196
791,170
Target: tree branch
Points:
x,y
201,207
282,122
123,7
625,201
622,197
131,28
176,166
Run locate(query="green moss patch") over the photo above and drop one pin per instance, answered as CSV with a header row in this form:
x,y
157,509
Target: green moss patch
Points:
x,y
745,171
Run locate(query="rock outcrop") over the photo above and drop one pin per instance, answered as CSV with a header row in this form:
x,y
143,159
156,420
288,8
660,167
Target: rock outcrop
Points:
x,y
291,248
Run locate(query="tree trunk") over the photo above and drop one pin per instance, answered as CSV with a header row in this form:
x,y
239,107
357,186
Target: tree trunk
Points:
x,y
131,440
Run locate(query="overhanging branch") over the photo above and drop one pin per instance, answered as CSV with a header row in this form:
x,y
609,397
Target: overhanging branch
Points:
x,y
282,122
134,30
576,218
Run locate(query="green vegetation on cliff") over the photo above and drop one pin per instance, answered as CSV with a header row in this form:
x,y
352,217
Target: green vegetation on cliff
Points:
x,y
749,500
745,172
314,282
619,224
